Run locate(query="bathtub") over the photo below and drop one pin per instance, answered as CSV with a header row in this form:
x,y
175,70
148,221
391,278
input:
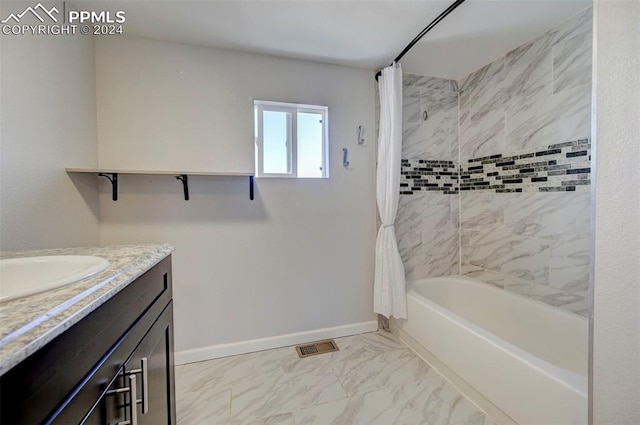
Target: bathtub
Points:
x,y
526,358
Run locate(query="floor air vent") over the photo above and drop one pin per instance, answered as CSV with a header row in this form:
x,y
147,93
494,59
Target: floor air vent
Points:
x,y
315,348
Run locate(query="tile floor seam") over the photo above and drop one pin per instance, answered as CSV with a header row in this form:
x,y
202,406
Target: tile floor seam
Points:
x,y
413,405
229,408
341,386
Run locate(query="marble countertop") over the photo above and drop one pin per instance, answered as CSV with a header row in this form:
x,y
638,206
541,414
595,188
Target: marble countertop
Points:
x,y
27,324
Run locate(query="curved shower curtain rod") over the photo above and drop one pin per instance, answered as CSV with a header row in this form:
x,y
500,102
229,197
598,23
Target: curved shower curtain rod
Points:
x,y
423,32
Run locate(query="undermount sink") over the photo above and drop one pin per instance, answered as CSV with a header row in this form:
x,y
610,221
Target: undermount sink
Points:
x,y
20,277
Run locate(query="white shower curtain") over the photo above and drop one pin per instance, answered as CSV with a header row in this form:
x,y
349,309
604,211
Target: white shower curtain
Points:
x,y
389,295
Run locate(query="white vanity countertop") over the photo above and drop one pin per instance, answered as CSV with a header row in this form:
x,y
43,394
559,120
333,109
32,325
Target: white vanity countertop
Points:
x,y
27,324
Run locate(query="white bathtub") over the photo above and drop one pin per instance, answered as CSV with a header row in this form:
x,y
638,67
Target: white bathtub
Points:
x,y
527,358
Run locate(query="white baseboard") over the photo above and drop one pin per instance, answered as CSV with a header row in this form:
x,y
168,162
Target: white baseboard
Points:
x,y
243,347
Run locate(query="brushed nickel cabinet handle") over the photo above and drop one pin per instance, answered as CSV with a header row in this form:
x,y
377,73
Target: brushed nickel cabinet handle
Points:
x,y
144,372
134,400
145,385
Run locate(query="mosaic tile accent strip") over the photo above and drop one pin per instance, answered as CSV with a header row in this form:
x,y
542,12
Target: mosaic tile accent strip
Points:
x,y
421,175
562,167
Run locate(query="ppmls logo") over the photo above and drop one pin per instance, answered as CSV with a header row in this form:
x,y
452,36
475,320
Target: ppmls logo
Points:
x,y
33,11
69,22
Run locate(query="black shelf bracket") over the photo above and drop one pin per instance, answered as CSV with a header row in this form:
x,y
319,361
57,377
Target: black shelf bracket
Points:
x,y
185,185
113,178
184,179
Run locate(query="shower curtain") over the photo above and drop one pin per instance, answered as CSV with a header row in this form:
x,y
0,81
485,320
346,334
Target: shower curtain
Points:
x,y
389,295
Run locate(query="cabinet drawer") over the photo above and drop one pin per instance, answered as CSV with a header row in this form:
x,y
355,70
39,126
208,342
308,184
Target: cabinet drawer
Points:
x,y
42,386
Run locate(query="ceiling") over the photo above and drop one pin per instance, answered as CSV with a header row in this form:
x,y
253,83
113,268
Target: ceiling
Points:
x,y
361,33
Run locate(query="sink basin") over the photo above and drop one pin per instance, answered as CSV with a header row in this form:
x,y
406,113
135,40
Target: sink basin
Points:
x,y
20,277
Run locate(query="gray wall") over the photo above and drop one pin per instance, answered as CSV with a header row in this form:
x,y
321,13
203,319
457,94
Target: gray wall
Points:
x,y
300,256
47,123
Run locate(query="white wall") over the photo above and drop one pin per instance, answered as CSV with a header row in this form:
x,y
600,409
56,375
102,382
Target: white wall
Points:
x,y
616,309
297,258
47,123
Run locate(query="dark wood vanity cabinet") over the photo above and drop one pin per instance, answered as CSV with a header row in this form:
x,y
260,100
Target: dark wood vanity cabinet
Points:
x,y
149,364
115,366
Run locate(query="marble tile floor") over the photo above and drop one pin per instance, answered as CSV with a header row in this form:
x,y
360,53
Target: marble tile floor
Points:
x,y
373,379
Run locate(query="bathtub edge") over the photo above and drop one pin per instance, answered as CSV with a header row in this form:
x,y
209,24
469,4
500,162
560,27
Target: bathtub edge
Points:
x,y
473,395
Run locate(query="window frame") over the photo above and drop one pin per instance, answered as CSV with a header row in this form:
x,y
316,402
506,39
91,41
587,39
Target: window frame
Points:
x,y
293,109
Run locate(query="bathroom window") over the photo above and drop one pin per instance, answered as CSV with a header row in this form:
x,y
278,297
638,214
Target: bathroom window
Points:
x,y
291,140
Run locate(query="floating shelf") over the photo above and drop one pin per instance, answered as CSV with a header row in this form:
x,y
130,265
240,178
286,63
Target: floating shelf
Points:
x,y
183,176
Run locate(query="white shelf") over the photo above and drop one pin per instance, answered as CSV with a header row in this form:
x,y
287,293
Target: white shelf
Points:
x,y
155,172
112,175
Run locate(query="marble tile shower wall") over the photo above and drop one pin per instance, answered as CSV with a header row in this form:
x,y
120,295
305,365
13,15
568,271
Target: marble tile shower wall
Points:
x,y
536,98
536,95
533,239
427,224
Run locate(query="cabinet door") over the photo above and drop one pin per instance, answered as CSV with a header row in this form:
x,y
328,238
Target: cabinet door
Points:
x,y
152,363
